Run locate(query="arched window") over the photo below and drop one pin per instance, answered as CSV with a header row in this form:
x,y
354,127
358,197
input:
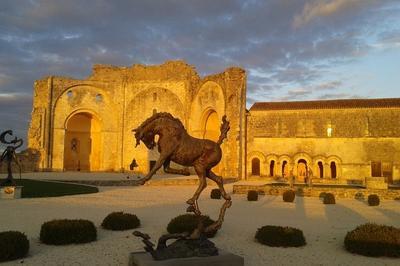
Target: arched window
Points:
x,y
99,98
333,170
271,168
321,170
255,166
284,163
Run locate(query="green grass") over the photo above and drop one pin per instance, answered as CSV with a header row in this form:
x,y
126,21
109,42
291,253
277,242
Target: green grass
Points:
x,y
38,189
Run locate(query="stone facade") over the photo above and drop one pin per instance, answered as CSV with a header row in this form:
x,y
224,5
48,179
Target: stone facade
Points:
x,y
86,124
346,140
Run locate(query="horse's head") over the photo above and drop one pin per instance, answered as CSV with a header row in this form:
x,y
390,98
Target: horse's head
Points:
x,y
146,136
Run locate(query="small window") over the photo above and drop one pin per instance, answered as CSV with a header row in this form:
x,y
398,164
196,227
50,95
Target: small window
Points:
x,y
321,170
99,98
271,168
329,131
154,97
284,170
333,170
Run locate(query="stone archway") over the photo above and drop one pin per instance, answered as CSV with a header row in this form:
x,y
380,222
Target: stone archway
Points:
x,y
82,143
211,126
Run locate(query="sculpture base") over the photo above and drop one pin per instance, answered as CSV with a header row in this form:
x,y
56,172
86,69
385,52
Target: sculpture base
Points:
x,y
10,192
223,259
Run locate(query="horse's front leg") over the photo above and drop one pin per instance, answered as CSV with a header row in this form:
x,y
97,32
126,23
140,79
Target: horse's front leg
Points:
x,y
157,166
169,170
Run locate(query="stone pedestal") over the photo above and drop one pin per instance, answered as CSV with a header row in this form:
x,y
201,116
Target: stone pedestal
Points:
x,y
376,183
10,192
223,259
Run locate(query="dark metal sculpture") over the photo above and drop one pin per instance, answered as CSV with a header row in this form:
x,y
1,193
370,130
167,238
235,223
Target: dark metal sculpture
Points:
x,y
176,145
9,156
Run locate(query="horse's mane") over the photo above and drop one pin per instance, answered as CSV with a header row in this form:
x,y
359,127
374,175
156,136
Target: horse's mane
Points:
x,y
160,115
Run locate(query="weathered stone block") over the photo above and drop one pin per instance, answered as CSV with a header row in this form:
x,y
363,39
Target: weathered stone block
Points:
x,y
376,183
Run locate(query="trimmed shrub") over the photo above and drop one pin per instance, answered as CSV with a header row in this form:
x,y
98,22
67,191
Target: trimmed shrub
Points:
x,y
288,196
215,193
279,236
13,245
329,198
374,240
118,221
252,195
373,200
63,232
188,223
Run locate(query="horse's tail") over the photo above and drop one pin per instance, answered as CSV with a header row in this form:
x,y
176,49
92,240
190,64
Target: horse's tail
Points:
x,y
224,130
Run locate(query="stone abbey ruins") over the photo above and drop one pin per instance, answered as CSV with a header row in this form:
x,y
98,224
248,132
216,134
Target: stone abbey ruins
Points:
x,y
85,125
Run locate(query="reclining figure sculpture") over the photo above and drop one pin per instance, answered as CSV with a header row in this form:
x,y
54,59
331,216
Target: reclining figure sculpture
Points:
x,y
176,145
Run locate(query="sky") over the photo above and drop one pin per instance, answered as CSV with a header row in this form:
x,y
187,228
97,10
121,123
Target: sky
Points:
x,y
291,49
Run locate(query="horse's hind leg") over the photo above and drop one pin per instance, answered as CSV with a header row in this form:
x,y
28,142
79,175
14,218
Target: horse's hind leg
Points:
x,y
202,185
217,179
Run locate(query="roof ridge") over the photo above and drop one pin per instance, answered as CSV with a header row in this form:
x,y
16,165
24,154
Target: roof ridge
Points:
x,y
327,104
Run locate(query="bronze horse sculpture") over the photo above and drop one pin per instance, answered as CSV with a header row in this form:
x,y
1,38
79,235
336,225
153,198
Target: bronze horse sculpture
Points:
x,y
176,145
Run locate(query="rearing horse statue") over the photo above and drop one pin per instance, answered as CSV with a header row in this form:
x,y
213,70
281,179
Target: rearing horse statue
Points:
x,y
176,145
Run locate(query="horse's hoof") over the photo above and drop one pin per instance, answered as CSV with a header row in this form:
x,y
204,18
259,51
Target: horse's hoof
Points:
x,y
191,208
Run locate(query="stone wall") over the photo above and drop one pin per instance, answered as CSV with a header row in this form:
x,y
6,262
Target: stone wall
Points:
x,y
358,137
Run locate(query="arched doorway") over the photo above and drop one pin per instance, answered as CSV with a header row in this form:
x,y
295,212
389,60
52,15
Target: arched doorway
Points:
x,y
211,131
321,170
301,170
211,126
333,170
255,167
271,168
82,144
284,169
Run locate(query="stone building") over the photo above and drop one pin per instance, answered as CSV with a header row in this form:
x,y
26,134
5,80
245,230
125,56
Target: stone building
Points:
x,y
340,141
85,125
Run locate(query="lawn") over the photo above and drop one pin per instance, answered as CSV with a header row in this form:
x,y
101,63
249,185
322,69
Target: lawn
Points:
x,y
38,189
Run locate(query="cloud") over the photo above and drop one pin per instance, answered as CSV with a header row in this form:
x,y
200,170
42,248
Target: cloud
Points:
x,y
331,85
321,8
340,96
14,110
65,38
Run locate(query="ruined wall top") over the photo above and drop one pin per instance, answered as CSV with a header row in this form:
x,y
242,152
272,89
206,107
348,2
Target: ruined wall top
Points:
x,y
170,70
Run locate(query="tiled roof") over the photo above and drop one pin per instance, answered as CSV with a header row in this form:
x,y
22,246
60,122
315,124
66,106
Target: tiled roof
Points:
x,y
327,104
